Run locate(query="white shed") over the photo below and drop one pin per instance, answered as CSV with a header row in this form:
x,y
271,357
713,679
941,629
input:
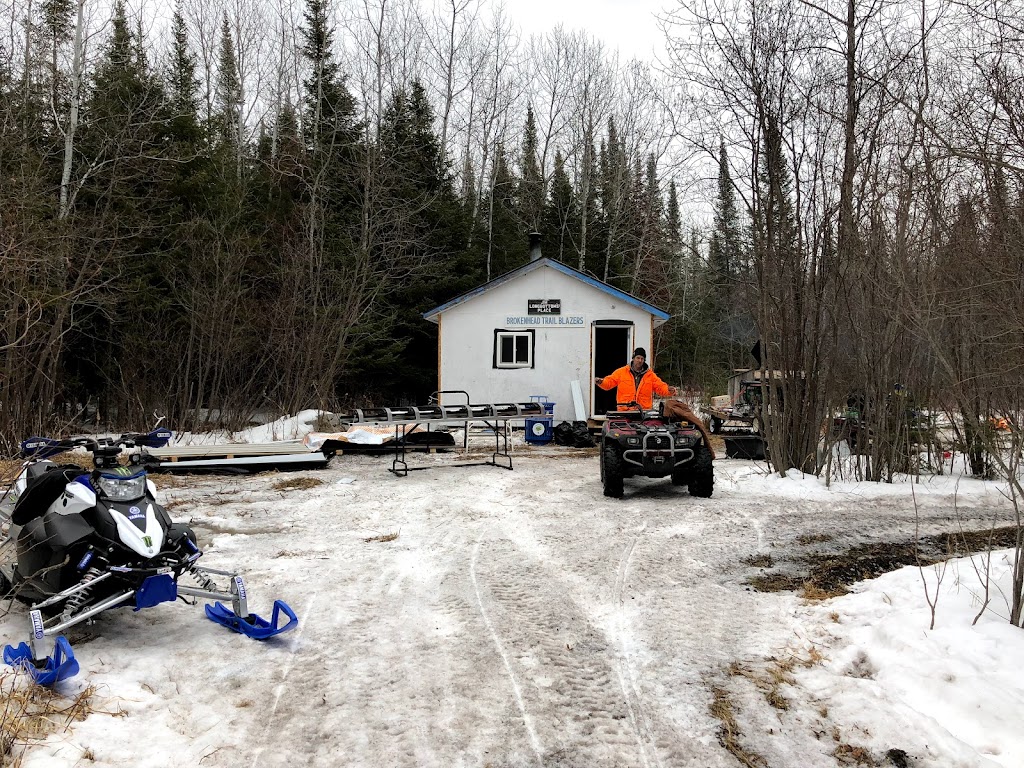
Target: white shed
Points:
x,y
534,331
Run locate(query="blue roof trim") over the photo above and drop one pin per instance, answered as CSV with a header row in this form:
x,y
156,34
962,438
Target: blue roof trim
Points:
x,y
558,266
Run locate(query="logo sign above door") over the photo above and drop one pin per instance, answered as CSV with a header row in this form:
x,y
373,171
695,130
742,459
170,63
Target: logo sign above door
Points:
x,y
543,306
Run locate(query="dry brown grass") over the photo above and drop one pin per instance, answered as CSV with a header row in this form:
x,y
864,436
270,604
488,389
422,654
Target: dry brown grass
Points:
x,y
776,674
383,537
759,561
297,483
166,480
30,712
775,582
813,593
8,471
729,734
847,754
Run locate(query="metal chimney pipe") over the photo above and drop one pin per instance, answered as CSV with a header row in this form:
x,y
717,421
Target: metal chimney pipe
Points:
x,y
534,246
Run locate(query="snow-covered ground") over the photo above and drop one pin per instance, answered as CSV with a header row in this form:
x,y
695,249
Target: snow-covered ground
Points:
x,y
523,619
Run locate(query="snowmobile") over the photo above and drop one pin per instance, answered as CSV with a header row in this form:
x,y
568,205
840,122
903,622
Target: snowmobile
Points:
x,y
76,542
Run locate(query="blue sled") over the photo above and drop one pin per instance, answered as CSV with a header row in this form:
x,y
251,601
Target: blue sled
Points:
x,y
252,625
59,665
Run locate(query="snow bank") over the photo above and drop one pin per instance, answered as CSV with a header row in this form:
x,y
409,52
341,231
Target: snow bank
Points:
x,y
953,694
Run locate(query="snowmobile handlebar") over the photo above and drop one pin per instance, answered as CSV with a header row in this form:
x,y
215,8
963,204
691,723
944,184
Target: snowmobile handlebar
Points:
x,y
45,447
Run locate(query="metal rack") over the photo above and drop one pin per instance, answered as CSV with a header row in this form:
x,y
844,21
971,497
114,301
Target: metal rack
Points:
x,y
493,415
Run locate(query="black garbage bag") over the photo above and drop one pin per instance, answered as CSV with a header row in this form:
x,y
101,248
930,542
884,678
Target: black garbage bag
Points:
x,y
581,435
573,435
563,434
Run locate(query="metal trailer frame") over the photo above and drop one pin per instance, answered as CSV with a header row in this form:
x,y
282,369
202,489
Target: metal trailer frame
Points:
x,y
494,415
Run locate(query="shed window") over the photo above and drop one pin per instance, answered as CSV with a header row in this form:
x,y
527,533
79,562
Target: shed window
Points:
x,y
513,349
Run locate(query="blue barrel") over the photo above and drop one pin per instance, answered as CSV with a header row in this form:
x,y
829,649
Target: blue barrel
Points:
x,y
539,428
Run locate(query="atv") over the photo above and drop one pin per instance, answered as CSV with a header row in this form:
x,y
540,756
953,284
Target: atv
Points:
x,y
76,542
646,443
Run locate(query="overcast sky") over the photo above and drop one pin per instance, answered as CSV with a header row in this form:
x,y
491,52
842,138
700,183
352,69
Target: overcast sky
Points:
x,y
628,25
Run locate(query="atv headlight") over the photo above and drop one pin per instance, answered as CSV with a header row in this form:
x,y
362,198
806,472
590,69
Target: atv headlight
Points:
x,y
633,440
683,441
122,487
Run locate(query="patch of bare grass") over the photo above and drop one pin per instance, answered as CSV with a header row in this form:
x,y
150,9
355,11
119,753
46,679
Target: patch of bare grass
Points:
x,y
166,480
30,712
729,733
847,754
775,582
826,575
384,537
777,673
297,483
9,469
759,561
815,594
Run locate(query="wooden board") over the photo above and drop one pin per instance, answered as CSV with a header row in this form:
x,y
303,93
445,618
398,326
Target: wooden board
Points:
x,y
232,450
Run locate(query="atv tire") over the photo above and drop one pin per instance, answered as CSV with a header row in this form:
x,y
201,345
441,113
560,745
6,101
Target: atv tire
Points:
x,y
612,470
702,474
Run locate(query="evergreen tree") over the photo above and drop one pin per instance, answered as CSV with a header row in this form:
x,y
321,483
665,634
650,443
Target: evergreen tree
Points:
x,y
614,224
330,110
560,218
775,220
432,226
122,212
673,220
531,181
182,84
596,237
58,26
228,101
507,244
725,249
787,313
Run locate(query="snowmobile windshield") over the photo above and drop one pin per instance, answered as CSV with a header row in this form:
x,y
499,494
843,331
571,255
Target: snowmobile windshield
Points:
x,y
118,487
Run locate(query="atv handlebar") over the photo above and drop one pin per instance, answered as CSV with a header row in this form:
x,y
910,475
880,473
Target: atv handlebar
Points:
x,y
45,447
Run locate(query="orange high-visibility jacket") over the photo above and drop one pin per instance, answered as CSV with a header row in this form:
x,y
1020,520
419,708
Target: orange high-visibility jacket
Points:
x,y
629,389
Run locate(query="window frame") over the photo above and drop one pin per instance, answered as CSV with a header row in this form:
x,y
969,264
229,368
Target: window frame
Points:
x,y
499,334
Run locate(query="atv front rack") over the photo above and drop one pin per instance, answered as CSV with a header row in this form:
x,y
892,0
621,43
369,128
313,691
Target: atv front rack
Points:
x,y
48,666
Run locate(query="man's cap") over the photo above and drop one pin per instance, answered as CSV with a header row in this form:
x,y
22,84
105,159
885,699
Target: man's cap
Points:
x,y
640,352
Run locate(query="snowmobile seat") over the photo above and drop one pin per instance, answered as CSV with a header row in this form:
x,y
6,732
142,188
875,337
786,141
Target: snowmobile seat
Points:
x,y
42,491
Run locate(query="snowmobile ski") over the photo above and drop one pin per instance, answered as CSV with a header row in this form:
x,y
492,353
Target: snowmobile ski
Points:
x,y
254,626
59,665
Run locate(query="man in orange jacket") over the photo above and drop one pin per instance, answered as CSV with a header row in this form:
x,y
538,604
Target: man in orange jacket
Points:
x,y
635,382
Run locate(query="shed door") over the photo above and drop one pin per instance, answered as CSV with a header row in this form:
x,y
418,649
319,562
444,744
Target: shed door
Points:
x,y
611,346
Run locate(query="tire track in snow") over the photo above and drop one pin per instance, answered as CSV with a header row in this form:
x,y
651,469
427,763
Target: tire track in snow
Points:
x,y
559,636
280,687
627,682
527,720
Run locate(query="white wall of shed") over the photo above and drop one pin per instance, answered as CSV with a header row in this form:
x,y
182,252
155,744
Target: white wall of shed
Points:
x,y
561,353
